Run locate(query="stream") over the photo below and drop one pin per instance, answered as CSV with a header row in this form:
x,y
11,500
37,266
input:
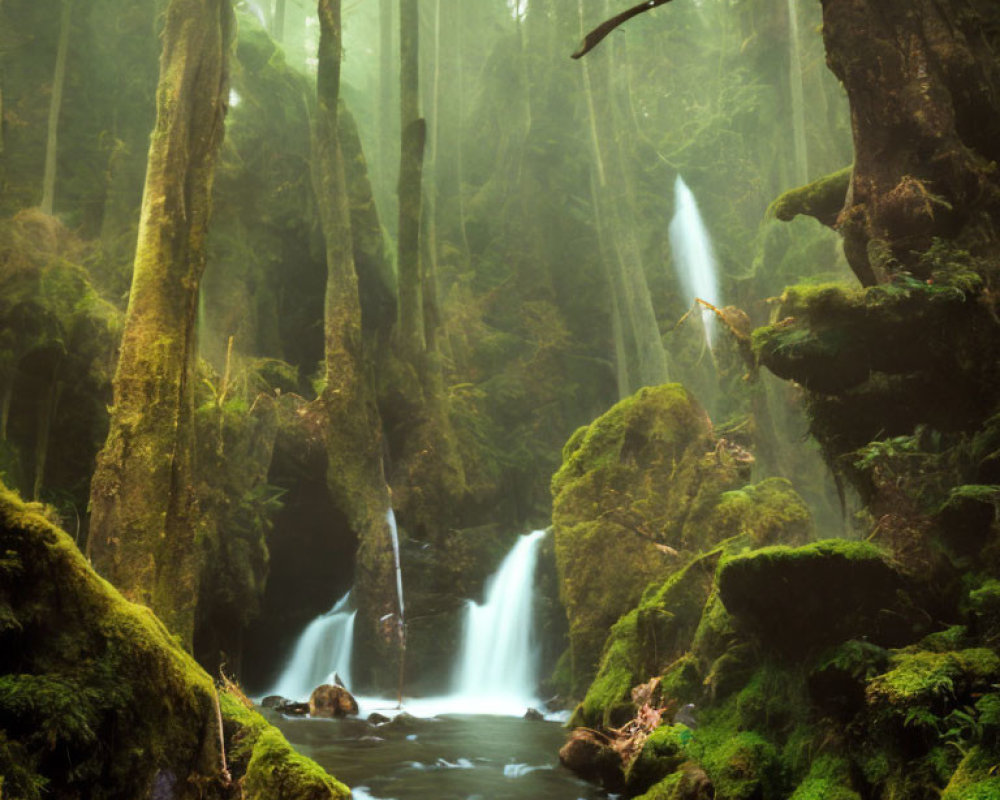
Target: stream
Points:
x,y
449,757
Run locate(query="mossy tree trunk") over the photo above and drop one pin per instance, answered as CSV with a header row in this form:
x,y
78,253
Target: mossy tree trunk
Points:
x,y
142,530
351,424
923,82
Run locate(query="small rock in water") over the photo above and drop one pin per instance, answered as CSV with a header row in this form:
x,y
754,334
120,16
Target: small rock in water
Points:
x,y
590,757
403,721
273,701
534,714
378,719
292,709
332,701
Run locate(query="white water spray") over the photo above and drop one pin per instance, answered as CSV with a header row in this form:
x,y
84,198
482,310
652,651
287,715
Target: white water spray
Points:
x,y
499,659
321,652
694,259
390,518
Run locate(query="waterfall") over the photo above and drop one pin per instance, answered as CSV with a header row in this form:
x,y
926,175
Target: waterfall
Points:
x,y
694,260
322,651
498,660
390,518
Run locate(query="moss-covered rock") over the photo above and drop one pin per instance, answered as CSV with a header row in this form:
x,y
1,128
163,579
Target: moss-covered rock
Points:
x,y
645,641
97,699
661,755
794,599
828,779
643,475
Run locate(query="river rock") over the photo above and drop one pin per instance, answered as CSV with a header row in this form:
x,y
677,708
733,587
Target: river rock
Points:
x,y
378,719
534,714
292,709
591,758
273,701
332,701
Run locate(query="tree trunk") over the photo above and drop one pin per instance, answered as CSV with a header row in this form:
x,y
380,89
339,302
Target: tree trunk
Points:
x,y
351,425
411,157
278,21
922,78
614,214
142,531
46,413
55,106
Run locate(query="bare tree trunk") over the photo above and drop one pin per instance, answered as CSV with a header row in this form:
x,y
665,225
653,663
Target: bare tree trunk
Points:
x,y
411,158
797,95
385,142
142,530
46,413
614,215
55,106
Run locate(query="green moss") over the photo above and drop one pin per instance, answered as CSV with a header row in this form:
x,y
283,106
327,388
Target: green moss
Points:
x,y
743,766
797,598
822,199
975,778
268,764
767,512
645,641
771,700
828,779
670,788
662,753
637,477
83,666
921,678
608,697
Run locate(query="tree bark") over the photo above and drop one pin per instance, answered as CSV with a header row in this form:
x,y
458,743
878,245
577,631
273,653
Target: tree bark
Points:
x,y
922,78
142,531
414,132
55,107
351,425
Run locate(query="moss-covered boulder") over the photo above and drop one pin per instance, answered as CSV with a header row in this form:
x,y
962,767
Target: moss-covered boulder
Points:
x,y
97,699
645,641
634,489
795,599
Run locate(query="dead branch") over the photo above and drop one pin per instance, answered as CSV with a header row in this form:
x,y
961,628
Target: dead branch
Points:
x,y
596,36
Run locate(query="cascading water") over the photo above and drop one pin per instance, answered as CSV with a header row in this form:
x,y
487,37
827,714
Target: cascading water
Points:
x,y
694,259
390,518
321,652
498,661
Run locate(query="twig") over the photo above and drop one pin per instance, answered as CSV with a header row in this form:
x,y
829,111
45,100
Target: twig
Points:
x,y
596,36
227,778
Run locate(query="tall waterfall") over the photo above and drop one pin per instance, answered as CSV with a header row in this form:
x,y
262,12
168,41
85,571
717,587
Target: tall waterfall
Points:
x,y
694,259
497,668
322,651
390,518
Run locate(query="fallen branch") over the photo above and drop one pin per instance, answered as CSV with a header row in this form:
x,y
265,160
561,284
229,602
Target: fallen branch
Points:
x,y
596,36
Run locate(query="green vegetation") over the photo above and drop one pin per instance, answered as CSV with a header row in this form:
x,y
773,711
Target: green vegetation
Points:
x,y
78,662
